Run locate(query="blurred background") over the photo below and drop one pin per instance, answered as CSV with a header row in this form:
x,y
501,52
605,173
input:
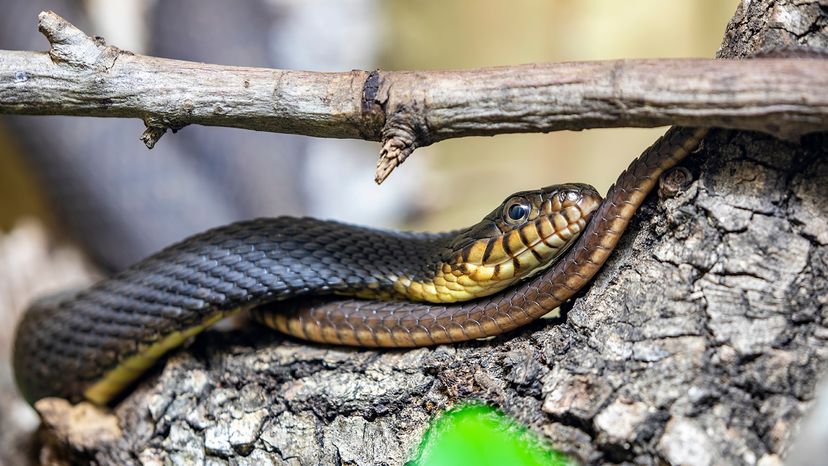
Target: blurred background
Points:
x,y
83,197
96,185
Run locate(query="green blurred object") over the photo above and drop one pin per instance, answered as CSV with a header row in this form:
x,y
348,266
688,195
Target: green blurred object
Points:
x,y
479,435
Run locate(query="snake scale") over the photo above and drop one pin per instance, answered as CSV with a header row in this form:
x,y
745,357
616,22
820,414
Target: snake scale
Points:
x,y
335,283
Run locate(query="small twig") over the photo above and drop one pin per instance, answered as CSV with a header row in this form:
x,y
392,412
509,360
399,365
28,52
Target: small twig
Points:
x,y
406,110
152,135
70,46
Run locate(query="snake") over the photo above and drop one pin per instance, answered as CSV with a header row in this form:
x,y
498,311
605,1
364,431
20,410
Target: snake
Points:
x,y
335,283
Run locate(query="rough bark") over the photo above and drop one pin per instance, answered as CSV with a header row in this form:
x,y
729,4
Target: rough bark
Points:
x,y
404,110
700,342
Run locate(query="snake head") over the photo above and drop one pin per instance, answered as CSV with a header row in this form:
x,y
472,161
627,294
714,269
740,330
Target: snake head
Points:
x,y
520,238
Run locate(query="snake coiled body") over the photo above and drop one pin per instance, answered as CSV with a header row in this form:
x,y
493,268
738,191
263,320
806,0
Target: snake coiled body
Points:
x,y
94,343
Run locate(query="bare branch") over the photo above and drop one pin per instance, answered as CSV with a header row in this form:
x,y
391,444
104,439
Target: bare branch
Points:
x,y
409,109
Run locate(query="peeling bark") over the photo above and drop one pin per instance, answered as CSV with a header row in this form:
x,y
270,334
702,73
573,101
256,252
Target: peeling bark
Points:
x,y
700,342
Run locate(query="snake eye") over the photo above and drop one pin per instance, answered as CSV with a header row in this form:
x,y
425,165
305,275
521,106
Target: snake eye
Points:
x,y
516,211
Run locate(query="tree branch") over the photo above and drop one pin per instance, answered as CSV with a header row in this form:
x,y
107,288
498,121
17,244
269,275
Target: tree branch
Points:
x,y
404,110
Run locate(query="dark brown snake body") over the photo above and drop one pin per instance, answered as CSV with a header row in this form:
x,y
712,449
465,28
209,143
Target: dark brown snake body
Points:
x,y
95,343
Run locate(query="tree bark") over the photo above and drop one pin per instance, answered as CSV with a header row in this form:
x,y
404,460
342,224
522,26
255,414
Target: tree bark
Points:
x,y
700,342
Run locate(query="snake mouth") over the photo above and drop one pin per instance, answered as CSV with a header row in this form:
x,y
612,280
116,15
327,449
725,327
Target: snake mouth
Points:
x,y
513,252
559,219
535,246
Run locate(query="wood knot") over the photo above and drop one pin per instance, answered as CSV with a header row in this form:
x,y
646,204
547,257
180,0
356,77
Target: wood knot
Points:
x,y
675,181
